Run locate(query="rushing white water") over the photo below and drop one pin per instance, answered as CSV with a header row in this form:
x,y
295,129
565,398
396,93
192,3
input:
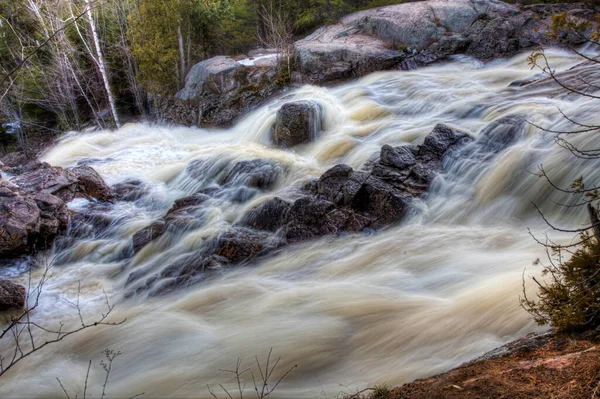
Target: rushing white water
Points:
x,y
407,302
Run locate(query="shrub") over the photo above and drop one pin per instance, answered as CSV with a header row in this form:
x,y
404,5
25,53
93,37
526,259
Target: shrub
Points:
x,y
569,298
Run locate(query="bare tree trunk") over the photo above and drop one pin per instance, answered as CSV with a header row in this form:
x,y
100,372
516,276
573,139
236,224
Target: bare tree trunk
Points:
x,y
181,54
189,47
102,66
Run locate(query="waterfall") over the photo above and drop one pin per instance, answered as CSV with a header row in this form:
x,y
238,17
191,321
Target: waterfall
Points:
x,y
408,301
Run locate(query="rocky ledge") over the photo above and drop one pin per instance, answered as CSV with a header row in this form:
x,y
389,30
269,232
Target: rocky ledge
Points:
x,y
400,37
33,210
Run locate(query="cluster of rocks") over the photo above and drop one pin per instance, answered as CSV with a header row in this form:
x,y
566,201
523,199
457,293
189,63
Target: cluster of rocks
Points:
x,y
33,210
404,36
237,182
342,200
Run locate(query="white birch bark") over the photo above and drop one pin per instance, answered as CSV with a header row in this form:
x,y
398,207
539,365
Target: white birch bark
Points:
x,y
181,54
102,66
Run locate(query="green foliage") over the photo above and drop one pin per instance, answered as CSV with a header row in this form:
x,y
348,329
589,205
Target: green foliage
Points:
x,y
154,43
569,298
563,25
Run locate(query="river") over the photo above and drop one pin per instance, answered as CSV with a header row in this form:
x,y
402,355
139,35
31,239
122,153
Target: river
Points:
x,y
406,302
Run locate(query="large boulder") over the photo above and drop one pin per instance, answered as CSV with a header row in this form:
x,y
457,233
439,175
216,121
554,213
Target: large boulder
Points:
x,y
414,34
217,92
341,52
297,122
67,184
12,296
33,209
239,244
215,75
19,223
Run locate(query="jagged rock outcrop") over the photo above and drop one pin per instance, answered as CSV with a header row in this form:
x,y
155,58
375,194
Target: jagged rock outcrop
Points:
x,y
298,122
233,181
12,296
341,200
33,209
403,36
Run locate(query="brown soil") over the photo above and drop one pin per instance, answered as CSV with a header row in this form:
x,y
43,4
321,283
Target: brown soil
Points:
x,y
537,366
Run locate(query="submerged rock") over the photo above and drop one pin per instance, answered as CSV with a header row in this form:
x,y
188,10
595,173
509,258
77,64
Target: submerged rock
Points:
x,y
144,236
256,173
297,122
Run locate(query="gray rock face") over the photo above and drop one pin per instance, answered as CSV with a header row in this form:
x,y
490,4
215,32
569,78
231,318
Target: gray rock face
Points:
x,y
217,92
215,75
341,52
414,34
33,209
12,296
297,123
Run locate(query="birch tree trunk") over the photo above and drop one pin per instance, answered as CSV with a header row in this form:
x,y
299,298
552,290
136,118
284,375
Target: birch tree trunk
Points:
x,y
181,54
101,65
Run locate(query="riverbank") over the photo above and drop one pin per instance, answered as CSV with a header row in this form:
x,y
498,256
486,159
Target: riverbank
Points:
x,y
535,366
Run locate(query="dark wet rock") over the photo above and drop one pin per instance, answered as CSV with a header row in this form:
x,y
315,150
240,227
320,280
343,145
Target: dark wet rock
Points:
x,y
186,213
144,236
54,217
268,216
12,296
257,173
33,209
130,190
191,201
93,221
240,244
503,132
14,159
92,185
67,184
19,225
442,139
398,157
297,122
